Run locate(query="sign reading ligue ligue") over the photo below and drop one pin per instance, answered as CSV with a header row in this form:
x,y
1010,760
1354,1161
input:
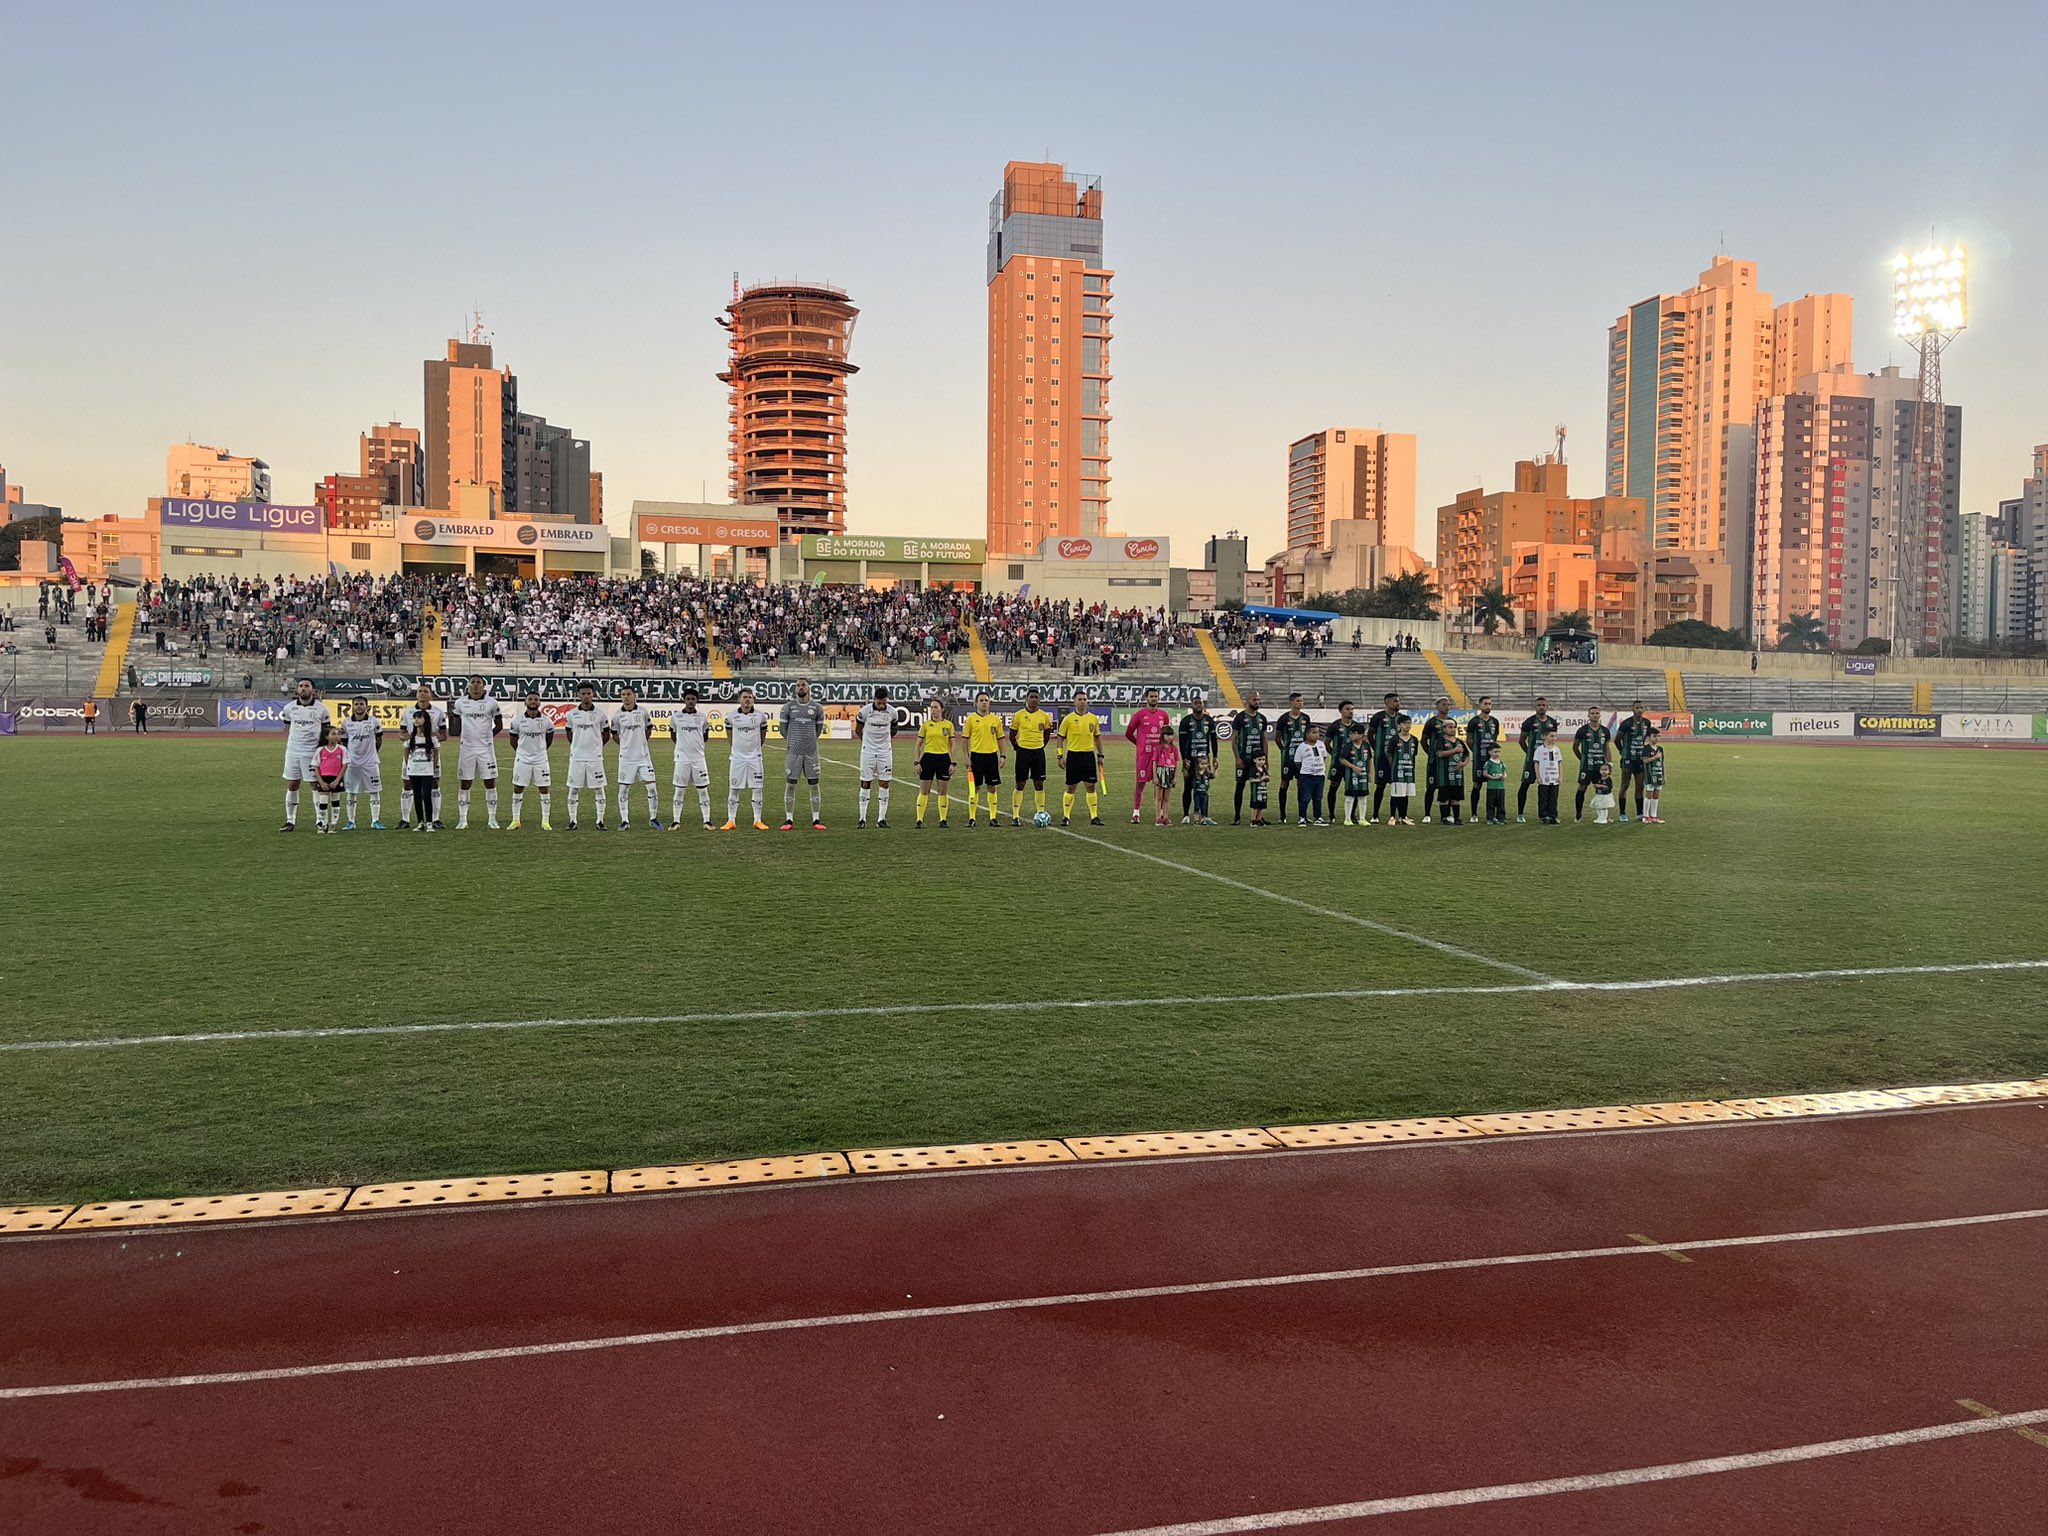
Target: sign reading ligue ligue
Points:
x,y
247,516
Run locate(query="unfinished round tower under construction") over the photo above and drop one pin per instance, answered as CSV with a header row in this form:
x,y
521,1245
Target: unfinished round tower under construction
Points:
x,y
787,373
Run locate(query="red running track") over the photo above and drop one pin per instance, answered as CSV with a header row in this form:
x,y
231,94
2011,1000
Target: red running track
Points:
x,y
1197,1408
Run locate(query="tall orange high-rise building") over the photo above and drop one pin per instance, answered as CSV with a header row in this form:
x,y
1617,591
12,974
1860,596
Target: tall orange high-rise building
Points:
x,y
1048,360
788,372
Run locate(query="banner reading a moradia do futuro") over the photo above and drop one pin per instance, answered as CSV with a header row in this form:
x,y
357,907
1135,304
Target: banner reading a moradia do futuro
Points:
x,y
658,687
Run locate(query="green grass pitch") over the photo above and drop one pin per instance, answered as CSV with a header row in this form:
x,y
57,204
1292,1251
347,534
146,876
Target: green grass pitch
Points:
x,y
152,894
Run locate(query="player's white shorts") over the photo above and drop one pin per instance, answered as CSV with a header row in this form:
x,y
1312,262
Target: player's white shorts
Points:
x,y
636,770
585,774
530,775
477,763
877,763
693,772
302,765
747,772
366,778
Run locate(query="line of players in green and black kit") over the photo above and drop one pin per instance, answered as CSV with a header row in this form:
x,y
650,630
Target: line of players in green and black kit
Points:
x,y
1375,768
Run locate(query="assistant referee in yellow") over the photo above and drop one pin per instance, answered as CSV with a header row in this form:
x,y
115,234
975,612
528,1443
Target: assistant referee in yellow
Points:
x,y
1080,736
984,757
1029,728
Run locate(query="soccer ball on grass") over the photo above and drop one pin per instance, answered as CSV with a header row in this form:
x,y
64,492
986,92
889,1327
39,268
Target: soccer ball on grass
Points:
x,y
1042,819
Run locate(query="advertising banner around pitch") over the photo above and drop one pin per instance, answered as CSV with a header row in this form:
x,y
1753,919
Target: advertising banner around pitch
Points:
x,y
183,715
498,533
6,722
1669,722
665,528
1796,725
1145,551
1897,725
1987,727
53,715
178,677
776,690
838,546
1708,722
2041,727
252,714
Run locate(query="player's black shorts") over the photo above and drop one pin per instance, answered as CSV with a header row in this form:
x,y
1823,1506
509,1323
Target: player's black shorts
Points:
x,y
935,765
1030,766
987,769
1289,769
1589,773
1080,768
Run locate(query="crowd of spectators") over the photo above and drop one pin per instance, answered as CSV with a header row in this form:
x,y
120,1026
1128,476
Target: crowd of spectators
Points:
x,y
653,621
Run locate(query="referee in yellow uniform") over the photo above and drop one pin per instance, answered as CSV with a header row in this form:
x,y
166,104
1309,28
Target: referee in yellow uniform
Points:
x,y
934,760
1081,753
1029,728
984,757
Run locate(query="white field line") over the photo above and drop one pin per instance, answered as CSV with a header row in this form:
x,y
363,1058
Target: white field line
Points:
x,y
1592,1482
1292,901
1019,1304
1036,1005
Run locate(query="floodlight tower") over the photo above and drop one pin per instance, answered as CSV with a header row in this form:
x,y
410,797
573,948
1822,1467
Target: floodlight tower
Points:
x,y
1929,309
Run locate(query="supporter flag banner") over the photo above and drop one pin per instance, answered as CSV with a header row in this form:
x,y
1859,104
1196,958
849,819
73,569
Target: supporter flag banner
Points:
x,y
830,546
1859,666
1987,727
1898,725
1142,551
1796,725
779,690
252,714
178,677
245,516
745,532
1707,722
496,533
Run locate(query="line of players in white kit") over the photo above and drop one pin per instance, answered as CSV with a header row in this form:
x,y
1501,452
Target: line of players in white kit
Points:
x,y
343,760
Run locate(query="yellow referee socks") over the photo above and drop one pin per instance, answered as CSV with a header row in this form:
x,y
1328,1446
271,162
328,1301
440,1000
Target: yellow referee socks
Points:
x,y
1067,805
991,807
1040,792
1017,804
921,798
944,800
974,803
1094,810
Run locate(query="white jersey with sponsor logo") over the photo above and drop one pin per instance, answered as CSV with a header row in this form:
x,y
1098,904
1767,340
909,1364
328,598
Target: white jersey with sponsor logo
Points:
x,y
530,737
302,724
436,716
360,737
630,727
586,734
876,725
749,732
691,729
477,720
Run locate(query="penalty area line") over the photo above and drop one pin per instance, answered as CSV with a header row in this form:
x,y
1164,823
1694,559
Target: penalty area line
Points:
x,y
1038,1005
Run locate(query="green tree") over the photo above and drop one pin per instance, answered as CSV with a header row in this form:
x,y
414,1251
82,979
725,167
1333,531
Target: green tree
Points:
x,y
1493,608
1875,645
1802,632
1413,596
1695,634
1578,618
50,528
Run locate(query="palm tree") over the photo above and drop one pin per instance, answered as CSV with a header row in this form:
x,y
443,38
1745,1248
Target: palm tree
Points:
x,y
1578,618
1493,608
1409,597
1802,632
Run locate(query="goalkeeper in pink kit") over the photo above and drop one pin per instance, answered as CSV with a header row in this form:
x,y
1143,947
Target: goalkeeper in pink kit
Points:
x,y
1142,731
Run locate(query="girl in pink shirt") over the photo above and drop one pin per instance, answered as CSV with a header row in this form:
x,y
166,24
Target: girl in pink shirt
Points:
x,y
1165,766
327,781
1142,730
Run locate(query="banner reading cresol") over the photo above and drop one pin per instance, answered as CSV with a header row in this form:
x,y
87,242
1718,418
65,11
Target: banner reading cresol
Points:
x,y
1707,722
775,690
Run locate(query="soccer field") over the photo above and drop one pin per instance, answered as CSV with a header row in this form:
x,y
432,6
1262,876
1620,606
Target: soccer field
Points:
x,y
756,993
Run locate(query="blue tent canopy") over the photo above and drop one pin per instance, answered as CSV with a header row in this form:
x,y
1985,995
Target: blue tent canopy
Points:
x,y
1291,615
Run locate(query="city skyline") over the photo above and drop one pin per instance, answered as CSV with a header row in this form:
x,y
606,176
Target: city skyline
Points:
x,y
284,341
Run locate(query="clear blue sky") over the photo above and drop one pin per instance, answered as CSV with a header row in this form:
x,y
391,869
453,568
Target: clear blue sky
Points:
x,y
249,224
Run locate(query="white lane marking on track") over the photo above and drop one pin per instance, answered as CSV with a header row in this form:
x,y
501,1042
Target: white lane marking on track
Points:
x,y
1016,1304
1293,901
886,1010
1591,1482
